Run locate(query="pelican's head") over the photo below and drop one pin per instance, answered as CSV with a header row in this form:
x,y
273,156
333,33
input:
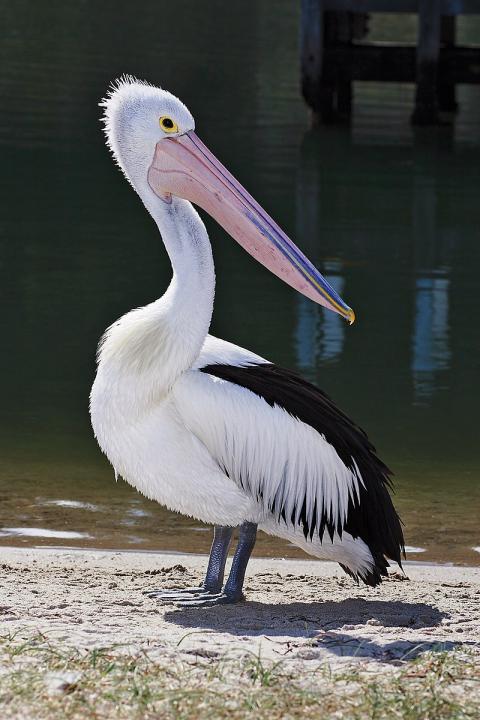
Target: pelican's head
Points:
x,y
137,116
151,134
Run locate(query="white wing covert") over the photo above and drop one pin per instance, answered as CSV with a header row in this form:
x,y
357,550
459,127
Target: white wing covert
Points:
x,y
283,463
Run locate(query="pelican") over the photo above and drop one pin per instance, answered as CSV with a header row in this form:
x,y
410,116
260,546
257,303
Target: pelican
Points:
x,y
210,429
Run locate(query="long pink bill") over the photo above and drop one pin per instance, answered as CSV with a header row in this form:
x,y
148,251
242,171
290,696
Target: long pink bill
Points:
x,y
183,166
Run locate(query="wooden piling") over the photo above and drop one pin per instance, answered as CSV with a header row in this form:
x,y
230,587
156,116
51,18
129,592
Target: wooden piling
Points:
x,y
326,87
447,101
428,50
333,56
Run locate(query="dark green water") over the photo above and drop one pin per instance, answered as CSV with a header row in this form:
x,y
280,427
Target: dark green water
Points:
x,y
391,216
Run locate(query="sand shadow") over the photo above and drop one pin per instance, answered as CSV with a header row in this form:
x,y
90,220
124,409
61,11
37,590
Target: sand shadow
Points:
x,y
344,645
318,622
301,619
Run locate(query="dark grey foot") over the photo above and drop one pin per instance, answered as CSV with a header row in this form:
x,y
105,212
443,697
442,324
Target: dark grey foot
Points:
x,y
209,601
232,592
213,582
210,593
178,594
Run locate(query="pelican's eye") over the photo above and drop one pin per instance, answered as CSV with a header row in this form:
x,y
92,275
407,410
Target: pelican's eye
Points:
x,y
167,124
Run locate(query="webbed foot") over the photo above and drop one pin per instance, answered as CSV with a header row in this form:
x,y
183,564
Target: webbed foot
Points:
x,y
211,600
179,594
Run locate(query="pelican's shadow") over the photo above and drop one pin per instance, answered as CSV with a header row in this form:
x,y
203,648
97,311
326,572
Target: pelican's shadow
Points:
x,y
319,621
302,619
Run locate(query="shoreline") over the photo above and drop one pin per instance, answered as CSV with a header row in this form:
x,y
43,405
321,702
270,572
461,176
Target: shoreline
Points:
x,y
308,609
65,549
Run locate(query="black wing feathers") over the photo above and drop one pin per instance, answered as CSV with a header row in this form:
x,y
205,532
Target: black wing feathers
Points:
x,y
371,516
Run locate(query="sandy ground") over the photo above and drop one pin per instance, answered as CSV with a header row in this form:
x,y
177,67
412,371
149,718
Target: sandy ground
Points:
x,y
297,610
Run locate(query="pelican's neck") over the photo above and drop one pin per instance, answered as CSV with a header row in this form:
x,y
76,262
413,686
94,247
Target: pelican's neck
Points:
x,y
163,339
188,301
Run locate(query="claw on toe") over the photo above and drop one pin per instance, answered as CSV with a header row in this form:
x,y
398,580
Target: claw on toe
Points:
x,y
182,594
212,600
194,597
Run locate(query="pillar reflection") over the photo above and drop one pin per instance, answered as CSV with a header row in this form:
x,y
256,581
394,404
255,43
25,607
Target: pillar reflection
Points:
x,y
432,253
320,335
430,341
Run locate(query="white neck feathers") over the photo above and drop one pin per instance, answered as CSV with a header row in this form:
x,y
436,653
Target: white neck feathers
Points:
x,y
160,341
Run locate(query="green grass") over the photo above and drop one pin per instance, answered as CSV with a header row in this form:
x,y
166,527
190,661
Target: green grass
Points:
x,y
115,683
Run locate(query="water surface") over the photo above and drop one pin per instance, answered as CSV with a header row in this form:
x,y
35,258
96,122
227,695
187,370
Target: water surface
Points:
x,y
390,215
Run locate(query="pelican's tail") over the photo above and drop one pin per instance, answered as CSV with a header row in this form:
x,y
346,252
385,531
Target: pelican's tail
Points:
x,y
353,554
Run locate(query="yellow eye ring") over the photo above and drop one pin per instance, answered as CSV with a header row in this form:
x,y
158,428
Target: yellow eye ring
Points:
x,y
167,124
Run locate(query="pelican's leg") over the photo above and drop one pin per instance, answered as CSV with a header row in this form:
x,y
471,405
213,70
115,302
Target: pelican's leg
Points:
x,y
213,582
233,590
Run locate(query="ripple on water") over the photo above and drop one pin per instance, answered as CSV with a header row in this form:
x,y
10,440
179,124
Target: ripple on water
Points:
x,y
44,532
411,550
76,504
138,513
